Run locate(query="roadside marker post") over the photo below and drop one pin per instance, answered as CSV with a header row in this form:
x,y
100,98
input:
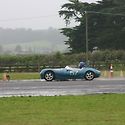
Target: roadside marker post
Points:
x,y
110,71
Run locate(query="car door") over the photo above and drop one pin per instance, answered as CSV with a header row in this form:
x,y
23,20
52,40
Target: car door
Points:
x,y
72,74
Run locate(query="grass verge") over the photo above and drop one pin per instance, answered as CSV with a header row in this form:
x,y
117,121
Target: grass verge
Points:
x,y
36,75
106,74
22,75
105,109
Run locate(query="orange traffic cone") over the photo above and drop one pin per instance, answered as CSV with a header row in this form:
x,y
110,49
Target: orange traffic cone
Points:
x,y
6,77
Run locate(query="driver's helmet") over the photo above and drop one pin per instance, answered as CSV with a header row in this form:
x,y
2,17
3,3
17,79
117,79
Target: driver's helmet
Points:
x,y
81,65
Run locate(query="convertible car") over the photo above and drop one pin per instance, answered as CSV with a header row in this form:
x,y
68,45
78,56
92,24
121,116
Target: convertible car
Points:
x,y
69,73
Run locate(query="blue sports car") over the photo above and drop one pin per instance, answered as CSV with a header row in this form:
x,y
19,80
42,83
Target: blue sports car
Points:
x,y
69,73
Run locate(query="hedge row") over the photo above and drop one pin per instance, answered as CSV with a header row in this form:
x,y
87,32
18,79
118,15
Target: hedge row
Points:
x,y
99,59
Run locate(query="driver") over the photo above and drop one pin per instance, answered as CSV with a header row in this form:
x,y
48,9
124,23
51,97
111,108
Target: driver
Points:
x,y
81,64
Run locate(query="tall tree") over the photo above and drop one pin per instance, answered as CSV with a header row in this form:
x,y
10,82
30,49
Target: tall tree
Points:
x,y
76,35
106,24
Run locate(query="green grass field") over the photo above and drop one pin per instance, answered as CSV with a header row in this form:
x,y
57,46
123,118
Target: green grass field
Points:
x,y
105,109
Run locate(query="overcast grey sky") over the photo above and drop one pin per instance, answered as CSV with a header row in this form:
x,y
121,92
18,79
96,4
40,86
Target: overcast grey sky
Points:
x,y
35,14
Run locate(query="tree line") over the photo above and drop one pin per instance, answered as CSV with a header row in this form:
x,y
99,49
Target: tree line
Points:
x,y
25,41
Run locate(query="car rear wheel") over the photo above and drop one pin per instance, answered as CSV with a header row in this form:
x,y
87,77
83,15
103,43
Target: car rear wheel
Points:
x,y
89,75
49,76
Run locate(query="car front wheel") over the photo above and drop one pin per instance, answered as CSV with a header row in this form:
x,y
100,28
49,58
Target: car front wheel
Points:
x,y
49,76
89,75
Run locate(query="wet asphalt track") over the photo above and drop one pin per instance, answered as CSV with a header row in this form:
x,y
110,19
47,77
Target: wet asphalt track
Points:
x,y
78,87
